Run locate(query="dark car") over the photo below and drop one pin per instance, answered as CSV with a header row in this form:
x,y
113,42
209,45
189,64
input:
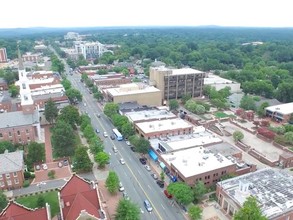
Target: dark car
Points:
x,y
161,183
112,137
143,160
133,149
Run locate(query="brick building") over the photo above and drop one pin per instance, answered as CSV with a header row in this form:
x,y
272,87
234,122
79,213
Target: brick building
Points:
x,y
11,170
109,80
3,55
281,113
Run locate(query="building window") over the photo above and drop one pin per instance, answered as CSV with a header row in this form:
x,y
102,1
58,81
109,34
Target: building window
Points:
x,y
16,181
27,131
18,132
7,176
9,133
1,135
9,182
15,174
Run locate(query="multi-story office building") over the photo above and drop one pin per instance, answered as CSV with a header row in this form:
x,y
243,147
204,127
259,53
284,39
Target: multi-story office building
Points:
x,y
3,55
90,50
175,83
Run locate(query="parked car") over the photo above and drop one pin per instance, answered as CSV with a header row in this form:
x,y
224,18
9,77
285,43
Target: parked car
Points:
x,y
128,143
133,149
60,164
97,131
160,183
147,205
154,176
114,149
168,195
65,162
38,167
112,137
143,160
105,134
121,187
147,167
122,161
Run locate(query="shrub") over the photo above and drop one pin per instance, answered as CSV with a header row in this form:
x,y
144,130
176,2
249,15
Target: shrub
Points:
x,y
26,183
27,175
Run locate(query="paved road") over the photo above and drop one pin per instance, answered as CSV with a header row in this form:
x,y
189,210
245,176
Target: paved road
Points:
x,y
137,181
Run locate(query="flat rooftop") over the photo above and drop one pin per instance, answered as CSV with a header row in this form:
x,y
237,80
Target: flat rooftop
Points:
x,y
194,161
224,148
273,189
284,109
163,125
149,115
128,89
214,79
182,71
199,137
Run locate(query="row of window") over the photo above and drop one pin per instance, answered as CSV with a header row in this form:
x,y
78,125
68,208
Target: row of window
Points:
x,y
214,175
9,182
10,134
7,175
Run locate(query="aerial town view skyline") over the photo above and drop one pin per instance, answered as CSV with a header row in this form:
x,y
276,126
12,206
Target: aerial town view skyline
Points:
x,y
118,110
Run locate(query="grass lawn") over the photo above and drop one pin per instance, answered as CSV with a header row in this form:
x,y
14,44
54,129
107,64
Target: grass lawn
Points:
x,y
221,115
50,197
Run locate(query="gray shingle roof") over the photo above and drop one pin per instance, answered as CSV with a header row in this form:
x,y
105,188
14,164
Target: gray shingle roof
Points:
x,y
11,162
15,119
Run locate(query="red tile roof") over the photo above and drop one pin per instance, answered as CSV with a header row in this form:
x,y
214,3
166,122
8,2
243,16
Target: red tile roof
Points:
x,y
16,211
77,195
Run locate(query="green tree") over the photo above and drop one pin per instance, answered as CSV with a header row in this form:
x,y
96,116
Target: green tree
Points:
x,y
36,153
173,104
98,95
199,190
142,146
3,200
250,210
181,192
200,109
89,132
6,145
70,114
63,140
41,201
102,158
51,111
261,109
238,135
112,182
82,162
13,90
289,137
96,145
73,95
127,210
162,176
111,109
191,105
185,98
247,103
66,84
194,212
127,129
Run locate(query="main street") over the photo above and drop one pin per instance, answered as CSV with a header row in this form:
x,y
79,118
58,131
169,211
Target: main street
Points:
x,y
136,180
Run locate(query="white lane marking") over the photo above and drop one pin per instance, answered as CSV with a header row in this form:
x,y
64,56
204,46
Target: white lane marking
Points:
x,y
141,210
163,207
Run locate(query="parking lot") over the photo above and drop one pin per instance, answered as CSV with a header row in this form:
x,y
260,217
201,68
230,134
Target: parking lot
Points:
x,y
62,171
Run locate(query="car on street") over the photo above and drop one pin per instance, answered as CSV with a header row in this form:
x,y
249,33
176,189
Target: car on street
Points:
x,y
167,194
105,134
147,167
154,176
121,187
147,205
160,183
133,149
97,131
125,196
128,143
112,137
143,160
114,149
122,161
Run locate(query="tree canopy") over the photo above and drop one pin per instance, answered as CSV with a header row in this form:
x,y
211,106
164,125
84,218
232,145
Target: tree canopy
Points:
x,y
102,158
51,111
194,212
181,192
238,135
3,200
127,210
81,161
111,109
36,153
112,182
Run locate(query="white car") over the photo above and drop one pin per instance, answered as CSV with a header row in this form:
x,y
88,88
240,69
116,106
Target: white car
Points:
x,y
121,188
105,134
44,166
128,143
148,168
122,161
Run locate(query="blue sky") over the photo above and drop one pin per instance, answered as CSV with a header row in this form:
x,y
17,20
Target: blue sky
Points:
x,y
89,13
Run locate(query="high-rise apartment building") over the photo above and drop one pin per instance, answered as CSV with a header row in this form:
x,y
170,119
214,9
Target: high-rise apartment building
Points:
x,y
3,55
175,83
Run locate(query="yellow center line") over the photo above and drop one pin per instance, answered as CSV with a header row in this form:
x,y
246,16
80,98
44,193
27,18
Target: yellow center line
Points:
x,y
128,166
